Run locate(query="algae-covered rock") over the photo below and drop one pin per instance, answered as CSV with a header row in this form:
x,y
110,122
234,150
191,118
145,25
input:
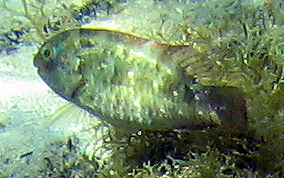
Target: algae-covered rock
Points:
x,y
235,52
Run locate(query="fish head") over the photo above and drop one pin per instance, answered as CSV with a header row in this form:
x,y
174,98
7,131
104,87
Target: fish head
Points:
x,y
57,63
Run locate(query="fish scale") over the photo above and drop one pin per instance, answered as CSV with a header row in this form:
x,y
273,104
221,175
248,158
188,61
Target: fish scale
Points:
x,y
130,82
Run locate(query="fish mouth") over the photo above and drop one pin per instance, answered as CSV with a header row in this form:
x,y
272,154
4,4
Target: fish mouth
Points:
x,y
37,61
44,68
39,64
44,65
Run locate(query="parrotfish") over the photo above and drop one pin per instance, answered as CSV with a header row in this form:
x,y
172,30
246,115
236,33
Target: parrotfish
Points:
x,y
130,82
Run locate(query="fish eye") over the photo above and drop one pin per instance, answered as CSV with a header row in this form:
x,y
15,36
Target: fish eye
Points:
x,y
46,53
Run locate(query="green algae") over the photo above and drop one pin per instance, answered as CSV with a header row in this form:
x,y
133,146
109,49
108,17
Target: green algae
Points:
x,y
242,42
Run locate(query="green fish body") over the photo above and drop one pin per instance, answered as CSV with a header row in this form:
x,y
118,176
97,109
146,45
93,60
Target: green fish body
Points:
x,y
130,82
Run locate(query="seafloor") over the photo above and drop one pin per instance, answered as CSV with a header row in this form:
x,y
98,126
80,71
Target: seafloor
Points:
x,y
41,135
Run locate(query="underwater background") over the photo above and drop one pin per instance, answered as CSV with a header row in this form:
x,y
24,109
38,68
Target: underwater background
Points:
x,y
42,135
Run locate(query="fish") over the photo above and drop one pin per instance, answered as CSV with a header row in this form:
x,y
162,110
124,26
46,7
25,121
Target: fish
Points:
x,y
131,82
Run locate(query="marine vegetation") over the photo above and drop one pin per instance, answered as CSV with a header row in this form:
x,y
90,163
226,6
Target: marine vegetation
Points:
x,y
227,66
